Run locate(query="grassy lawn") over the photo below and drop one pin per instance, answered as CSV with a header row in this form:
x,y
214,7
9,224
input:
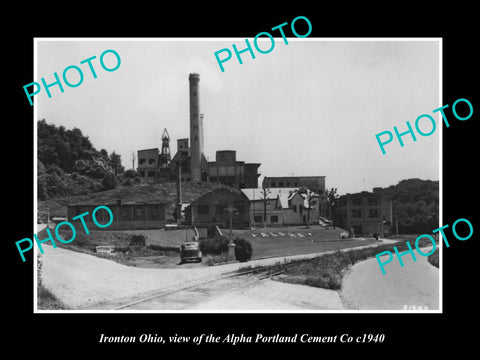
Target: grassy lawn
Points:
x,y
295,246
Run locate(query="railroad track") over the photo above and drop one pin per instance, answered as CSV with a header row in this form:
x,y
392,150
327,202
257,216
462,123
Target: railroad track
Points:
x,y
258,274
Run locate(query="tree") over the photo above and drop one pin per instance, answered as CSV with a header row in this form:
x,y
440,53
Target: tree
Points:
x,y
109,181
332,197
116,163
265,192
133,160
311,198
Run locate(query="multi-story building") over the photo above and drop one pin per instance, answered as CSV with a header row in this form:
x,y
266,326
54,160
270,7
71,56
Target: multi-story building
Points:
x,y
365,213
228,171
314,183
148,164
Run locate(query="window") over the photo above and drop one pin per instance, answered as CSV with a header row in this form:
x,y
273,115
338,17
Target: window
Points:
x,y
373,213
124,213
357,201
280,184
141,161
273,184
142,173
294,208
288,184
258,218
273,218
372,201
154,212
139,213
356,213
296,184
203,209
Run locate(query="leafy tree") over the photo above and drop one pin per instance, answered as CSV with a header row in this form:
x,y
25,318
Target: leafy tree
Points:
x,y
265,192
116,163
109,181
332,197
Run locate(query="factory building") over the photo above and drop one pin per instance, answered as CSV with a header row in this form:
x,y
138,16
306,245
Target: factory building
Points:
x,y
189,163
228,171
126,215
365,213
219,207
314,183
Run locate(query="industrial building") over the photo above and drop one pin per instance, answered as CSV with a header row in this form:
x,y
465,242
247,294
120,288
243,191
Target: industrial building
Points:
x,y
220,207
227,170
126,215
365,213
189,162
314,183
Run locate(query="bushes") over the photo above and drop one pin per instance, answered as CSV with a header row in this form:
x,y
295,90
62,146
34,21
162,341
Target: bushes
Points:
x,y
243,249
214,246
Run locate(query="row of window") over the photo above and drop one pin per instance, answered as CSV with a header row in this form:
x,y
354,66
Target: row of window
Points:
x,y
125,213
142,161
282,184
358,201
273,219
144,173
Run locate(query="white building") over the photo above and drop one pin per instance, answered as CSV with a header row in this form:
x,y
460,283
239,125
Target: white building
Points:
x,y
284,206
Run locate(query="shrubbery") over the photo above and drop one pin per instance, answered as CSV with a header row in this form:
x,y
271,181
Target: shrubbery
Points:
x,y
243,249
214,246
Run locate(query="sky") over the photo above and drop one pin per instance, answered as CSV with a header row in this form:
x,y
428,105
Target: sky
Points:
x,y
309,108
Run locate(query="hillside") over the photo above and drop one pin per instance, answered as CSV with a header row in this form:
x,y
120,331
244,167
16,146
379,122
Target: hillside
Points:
x,y
415,204
68,164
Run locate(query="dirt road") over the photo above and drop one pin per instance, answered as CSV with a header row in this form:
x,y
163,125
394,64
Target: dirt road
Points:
x,y
416,284
82,280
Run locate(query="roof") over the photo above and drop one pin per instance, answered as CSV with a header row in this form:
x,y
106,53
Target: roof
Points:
x,y
148,149
94,203
224,188
283,194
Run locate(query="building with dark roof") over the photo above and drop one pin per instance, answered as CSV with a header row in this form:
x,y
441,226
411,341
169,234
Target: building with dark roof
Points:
x,y
126,215
314,183
220,206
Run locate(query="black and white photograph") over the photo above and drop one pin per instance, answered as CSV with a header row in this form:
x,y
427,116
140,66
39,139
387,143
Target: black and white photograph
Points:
x,y
258,188
218,181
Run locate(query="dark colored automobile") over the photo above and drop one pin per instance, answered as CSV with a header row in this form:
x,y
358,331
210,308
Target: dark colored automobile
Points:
x,y
190,251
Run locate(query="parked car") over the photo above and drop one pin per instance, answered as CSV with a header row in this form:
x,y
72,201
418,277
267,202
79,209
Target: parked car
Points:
x,y
105,249
190,251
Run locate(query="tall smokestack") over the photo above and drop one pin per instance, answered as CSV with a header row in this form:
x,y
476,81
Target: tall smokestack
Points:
x,y
195,129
